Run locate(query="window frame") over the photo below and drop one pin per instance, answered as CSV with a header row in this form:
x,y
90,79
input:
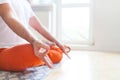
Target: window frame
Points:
x,y
59,7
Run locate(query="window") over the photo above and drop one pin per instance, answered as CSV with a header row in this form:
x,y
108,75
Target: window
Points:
x,y
74,21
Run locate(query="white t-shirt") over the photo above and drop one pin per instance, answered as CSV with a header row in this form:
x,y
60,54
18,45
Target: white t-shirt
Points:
x,y
23,11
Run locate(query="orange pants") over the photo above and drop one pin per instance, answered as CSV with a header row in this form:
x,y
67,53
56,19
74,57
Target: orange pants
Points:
x,y
20,57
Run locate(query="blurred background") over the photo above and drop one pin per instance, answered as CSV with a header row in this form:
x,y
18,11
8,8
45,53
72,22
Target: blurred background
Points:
x,y
83,24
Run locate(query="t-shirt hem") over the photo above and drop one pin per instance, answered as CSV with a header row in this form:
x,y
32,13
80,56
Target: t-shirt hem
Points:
x,y
3,2
3,45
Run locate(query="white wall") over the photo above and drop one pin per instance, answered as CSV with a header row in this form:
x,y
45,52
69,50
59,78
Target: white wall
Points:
x,y
106,25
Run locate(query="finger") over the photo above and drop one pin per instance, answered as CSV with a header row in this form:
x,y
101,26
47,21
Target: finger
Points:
x,y
67,50
51,43
67,55
47,61
45,58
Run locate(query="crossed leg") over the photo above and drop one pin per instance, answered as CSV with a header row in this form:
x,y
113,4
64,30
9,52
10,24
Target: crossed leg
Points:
x,y
22,56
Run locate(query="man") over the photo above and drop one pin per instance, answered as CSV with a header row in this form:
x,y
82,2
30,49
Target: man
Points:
x,y
15,19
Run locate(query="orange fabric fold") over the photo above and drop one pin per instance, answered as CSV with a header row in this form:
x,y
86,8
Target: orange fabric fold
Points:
x,y
22,56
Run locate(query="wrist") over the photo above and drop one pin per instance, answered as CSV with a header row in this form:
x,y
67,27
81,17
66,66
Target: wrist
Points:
x,y
32,40
58,43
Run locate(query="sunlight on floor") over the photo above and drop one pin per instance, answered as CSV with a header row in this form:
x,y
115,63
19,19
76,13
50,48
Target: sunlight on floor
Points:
x,y
86,65
78,66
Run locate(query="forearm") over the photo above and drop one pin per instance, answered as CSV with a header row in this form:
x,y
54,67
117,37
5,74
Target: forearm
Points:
x,y
35,23
18,28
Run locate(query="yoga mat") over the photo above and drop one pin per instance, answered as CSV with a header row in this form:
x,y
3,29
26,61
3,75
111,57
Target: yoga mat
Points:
x,y
35,73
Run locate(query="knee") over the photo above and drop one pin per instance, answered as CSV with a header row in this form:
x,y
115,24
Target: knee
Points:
x,y
55,56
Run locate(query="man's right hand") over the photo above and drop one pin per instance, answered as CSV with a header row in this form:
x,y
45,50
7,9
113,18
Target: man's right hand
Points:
x,y
41,51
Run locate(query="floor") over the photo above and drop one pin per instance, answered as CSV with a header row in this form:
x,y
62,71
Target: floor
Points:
x,y
86,65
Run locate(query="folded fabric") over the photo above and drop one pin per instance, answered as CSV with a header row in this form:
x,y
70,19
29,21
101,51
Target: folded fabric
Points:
x,y
22,56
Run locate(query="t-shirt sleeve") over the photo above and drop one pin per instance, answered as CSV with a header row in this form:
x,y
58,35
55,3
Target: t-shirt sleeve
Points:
x,y
32,13
3,1
29,9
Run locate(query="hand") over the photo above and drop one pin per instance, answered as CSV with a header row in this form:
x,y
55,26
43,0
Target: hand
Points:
x,y
66,49
41,51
